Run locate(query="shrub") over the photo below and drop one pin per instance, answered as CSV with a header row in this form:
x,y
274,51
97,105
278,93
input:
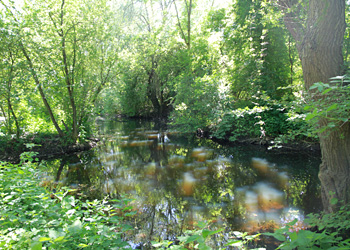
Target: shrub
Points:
x,y
270,120
31,218
329,231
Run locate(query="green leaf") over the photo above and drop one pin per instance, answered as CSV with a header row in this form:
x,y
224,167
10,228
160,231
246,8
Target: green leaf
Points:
x,y
326,91
234,243
82,245
75,227
334,201
59,239
130,213
36,246
201,224
334,106
279,237
44,239
310,116
192,239
293,236
293,222
206,232
331,125
203,246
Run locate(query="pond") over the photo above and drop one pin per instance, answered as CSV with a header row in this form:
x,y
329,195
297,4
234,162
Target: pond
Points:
x,y
177,180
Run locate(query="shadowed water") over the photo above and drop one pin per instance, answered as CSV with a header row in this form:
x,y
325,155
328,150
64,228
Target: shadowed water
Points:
x,y
177,180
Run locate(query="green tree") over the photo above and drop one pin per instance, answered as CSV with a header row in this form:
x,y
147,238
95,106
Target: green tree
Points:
x,y
258,58
70,50
11,67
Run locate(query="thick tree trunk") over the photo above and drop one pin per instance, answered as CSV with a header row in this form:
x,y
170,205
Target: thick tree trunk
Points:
x,y
319,45
152,92
335,168
320,50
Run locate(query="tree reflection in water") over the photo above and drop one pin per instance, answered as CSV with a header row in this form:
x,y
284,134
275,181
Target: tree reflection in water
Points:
x,y
177,180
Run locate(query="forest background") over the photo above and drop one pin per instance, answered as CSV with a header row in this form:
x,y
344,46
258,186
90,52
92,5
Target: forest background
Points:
x,y
233,68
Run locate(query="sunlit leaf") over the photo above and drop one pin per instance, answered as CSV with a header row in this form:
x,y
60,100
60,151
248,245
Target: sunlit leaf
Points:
x,y
204,247
83,245
75,227
235,243
36,246
44,239
61,238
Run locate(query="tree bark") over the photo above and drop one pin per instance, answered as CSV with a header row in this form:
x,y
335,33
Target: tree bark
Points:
x,y
152,92
319,45
18,129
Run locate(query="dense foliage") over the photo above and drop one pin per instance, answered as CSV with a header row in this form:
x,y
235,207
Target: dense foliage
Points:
x,y
328,231
32,217
204,65
195,62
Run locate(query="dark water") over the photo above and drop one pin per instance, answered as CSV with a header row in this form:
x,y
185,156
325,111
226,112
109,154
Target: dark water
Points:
x,y
178,180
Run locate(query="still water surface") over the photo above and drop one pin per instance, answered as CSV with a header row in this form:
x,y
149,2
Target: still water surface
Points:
x,y
177,180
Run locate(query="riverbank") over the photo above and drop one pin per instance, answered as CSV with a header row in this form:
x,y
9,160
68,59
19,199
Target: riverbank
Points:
x,y
46,145
50,145
269,143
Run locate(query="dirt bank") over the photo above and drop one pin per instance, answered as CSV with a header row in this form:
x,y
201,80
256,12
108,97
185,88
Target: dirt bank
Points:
x,y
46,146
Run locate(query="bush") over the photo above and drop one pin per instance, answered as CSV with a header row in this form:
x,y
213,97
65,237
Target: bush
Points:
x,y
196,103
329,231
31,218
269,121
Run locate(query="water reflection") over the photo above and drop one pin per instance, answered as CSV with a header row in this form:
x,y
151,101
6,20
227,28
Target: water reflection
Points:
x,y
178,180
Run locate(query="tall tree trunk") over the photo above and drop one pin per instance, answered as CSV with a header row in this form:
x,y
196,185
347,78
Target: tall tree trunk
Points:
x,y
152,92
42,94
319,44
185,37
18,129
4,115
69,74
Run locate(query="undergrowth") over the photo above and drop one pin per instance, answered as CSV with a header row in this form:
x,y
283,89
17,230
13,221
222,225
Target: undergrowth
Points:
x,y
32,218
